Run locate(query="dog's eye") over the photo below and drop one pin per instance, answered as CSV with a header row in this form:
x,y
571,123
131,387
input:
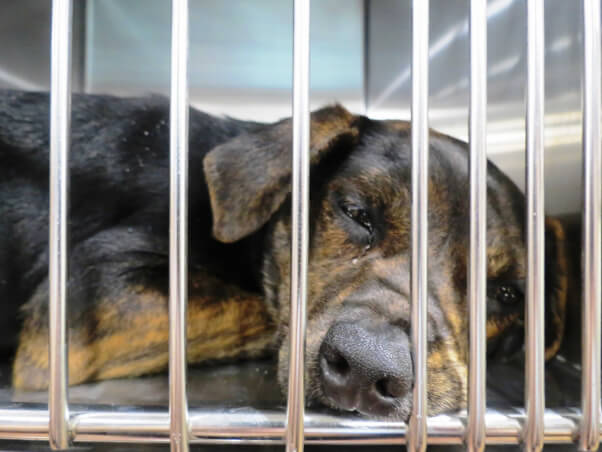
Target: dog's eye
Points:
x,y
507,294
358,215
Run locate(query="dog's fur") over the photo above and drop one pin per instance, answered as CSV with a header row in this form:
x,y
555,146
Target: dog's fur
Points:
x,y
239,227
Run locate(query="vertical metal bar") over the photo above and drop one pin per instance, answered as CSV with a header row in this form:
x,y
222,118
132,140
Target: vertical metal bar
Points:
x,y
419,279
477,277
366,57
178,227
299,225
60,123
589,438
535,354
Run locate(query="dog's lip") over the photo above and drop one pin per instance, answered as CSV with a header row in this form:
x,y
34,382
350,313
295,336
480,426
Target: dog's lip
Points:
x,y
337,406
328,400
395,414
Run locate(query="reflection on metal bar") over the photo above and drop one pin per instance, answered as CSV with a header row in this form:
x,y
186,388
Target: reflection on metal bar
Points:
x,y
366,56
419,280
477,277
534,378
590,379
299,226
249,426
178,227
60,123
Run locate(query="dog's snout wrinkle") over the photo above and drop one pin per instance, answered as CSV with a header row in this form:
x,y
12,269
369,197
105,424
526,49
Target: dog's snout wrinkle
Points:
x,y
393,286
381,298
389,285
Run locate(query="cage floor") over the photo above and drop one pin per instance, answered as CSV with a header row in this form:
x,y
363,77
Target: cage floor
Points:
x,y
254,384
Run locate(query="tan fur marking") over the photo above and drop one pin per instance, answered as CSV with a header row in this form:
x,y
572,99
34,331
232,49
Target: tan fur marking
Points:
x,y
562,283
136,342
497,326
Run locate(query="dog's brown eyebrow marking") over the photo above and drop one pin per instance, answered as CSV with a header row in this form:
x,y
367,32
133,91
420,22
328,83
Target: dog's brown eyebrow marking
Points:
x,y
498,262
502,262
399,125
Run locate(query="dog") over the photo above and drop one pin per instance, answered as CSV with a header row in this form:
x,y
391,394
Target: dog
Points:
x,y
358,348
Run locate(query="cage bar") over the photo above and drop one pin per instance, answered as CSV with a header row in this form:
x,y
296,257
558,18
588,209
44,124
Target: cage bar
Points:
x,y
249,426
178,227
419,278
366,57
299,225
477,276
535,347
60,124
533,426
589,437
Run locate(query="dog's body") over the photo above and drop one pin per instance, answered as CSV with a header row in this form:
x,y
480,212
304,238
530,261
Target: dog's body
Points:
x,y
239,249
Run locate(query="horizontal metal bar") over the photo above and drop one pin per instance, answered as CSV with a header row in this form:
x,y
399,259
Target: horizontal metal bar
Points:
x,y
60,124
250,426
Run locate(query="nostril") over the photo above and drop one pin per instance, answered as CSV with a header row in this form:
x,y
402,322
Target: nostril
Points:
x,y
336,362
391,388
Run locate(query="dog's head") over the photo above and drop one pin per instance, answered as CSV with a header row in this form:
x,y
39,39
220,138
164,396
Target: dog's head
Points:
x,y
358,350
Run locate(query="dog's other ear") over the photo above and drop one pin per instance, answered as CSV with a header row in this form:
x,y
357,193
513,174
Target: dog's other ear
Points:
x,y
249,176
556,285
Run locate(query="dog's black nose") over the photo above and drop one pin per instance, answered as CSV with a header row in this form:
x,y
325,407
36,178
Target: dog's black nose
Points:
x,y
367,367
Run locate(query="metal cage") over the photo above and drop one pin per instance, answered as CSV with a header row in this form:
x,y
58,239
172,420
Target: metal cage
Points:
x,y
532,426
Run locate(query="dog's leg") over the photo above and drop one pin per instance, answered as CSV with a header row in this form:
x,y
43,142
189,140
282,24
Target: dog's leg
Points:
x,y
118,321
129,336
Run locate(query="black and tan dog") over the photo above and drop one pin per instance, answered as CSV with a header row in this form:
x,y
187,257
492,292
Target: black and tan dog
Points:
x,y
358,355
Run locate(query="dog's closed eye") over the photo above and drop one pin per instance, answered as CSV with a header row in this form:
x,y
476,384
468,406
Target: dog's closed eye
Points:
x,y
359,222
359,215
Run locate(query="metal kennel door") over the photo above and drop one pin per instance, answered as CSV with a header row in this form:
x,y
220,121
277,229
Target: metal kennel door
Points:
x,y
532,426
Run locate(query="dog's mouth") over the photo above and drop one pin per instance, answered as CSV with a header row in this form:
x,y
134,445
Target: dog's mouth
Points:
x,y
367,405
331,384
359,361
402,414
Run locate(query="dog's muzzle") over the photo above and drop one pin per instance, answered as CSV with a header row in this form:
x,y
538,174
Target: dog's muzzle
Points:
x,y
367,367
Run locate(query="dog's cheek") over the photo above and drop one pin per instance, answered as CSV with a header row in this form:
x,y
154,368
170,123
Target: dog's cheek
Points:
x,y
283,362
331,255
315,332
447,378
276,272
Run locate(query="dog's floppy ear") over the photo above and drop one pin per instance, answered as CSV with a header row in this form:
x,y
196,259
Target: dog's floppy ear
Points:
x,y
556,285
249,176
